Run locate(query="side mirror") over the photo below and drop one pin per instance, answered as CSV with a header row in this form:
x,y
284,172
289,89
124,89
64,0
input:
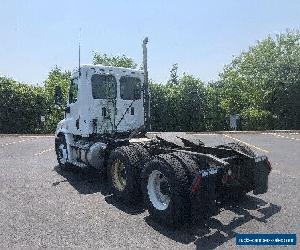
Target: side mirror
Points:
x,y
58,96
68,109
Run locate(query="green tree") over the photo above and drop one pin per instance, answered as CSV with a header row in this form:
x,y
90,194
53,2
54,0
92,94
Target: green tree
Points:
x,y
117,61
158,104
56,77
21,107
178,107
173,74
190,104
263,84
215,115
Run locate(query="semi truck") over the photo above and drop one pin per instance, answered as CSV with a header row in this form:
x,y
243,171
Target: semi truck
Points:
x,y
105,127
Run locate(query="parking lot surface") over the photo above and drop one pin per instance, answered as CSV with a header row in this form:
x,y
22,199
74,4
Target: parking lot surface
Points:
x,y
44,206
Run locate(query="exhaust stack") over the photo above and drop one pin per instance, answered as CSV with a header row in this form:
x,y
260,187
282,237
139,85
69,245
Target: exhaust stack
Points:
x,y
146,87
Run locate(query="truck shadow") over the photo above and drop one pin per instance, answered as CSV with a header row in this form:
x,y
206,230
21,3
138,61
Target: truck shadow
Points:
x,y
90,181
212,233
85,181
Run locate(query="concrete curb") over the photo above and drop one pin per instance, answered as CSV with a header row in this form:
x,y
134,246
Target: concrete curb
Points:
x,y
234,132
27,135
246,132
157,132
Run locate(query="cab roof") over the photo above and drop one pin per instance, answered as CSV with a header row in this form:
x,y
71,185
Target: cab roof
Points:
x,y
108,69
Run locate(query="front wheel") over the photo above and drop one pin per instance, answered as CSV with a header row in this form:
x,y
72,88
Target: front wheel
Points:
x,y
165,187
62,152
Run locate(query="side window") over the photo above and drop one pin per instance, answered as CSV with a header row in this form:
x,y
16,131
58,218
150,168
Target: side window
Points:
x,y
104,86
73,91
130,88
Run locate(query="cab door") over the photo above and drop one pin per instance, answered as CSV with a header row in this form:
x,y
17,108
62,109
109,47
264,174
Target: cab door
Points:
x,y
72,114
130,114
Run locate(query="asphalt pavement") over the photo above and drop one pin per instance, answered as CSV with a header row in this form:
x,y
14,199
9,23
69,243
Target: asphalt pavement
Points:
x,y
42,206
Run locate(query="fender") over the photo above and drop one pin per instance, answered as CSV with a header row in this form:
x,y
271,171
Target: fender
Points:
x,y
69,141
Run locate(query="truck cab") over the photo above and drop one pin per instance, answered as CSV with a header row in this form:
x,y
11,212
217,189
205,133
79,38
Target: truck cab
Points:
x,y
103,100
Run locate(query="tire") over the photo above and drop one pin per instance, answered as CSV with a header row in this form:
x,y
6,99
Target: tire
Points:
x,y
123,171
189,164
142,153
173,207
60,141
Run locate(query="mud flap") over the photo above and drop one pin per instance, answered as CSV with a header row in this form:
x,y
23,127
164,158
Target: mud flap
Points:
x,y
204,199
261,174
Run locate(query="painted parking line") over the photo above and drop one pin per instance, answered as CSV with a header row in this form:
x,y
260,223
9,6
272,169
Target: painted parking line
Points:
x,y
24,138
208,134
37,136
26,135
285,137
247,144
272,133
14,142
44,151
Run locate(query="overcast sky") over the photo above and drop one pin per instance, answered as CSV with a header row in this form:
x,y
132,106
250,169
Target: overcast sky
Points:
x,y
201,36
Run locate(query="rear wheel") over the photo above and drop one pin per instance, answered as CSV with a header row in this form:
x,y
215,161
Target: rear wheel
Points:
x,y
165,187
124,168
159,190
118,175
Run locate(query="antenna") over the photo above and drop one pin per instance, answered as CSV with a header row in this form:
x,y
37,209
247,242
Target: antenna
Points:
x,y
79,53
79,60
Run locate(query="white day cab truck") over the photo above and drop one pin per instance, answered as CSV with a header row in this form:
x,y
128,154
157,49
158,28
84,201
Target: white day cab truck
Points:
x,y
176,177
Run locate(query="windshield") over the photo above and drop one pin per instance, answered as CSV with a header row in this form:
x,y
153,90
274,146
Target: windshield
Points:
x,y
130,88
104,86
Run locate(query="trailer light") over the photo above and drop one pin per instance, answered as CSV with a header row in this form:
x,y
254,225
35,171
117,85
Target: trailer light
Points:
x,y
196,184
229,172
224,178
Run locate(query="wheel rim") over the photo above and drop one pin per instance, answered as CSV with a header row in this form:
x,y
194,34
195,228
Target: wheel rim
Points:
x,y
62,154
158,190
118,175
